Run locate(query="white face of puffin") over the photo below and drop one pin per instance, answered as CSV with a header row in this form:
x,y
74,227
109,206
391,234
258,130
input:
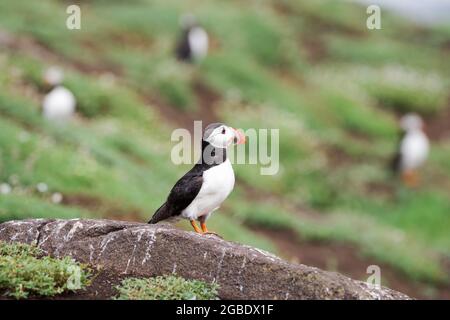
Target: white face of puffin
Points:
x,y
411,122
222,136
53,76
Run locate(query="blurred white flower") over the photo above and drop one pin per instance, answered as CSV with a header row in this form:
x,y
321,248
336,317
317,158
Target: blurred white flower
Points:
x,y
24,137
15,72
107,79
234,95
5,188
57,197
398,236
42,187
14,179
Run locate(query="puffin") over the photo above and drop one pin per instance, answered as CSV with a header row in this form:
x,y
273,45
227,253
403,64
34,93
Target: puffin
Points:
x,y
412,150
193,43
203,188
59,103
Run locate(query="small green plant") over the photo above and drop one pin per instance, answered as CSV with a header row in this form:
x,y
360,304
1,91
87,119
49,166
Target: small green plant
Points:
x,y
25,270
166,288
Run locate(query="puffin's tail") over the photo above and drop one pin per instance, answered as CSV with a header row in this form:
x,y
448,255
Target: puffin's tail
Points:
x,y
160,214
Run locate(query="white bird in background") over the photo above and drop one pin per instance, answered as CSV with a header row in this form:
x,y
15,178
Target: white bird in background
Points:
x,y
59,104
412,150
194,42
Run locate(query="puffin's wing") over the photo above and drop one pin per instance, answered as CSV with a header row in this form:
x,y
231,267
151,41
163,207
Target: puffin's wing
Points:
x,y
395,162
397,158
185,191
183,50
180,197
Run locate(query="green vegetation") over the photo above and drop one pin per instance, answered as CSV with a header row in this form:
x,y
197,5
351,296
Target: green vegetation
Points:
x,y
388,245
166,288
25,270
310,69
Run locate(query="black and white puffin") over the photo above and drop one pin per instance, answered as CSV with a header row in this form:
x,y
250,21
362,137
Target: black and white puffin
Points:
x,y
193,44
203,188
412,151
59,103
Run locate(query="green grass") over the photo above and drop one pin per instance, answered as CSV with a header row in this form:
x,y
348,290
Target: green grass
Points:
x,y
25,206
387,244
25,271
166,288
411,213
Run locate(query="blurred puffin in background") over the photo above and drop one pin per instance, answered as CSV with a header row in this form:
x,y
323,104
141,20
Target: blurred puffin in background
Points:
x,y
203,189
412,150
193,43
59,103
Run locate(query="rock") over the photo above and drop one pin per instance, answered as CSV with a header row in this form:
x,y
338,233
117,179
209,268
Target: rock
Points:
x,y
137,249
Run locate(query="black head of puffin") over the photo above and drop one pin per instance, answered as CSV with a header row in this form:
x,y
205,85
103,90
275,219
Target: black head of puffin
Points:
x,y
210,128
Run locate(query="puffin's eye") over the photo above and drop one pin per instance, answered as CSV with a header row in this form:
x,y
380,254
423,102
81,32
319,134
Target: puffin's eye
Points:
x,y
223,131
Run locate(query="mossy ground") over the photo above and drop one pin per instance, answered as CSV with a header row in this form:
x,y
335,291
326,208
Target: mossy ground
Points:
x,y
26,271
169,287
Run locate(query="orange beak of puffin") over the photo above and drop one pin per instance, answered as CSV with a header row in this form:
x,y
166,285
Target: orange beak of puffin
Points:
x,y
239,137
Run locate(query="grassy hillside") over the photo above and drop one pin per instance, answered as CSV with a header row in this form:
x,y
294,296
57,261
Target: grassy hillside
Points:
x,y
310,69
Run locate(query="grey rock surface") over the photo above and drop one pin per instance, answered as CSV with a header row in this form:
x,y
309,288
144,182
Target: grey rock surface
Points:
x,y
137,249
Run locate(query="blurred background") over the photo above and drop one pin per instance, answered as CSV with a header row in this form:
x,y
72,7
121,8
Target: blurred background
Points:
x,y
309,68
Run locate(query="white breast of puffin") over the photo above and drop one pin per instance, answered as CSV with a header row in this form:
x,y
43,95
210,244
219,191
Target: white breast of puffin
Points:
x,y
198,42
414,150
59,104
218,182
